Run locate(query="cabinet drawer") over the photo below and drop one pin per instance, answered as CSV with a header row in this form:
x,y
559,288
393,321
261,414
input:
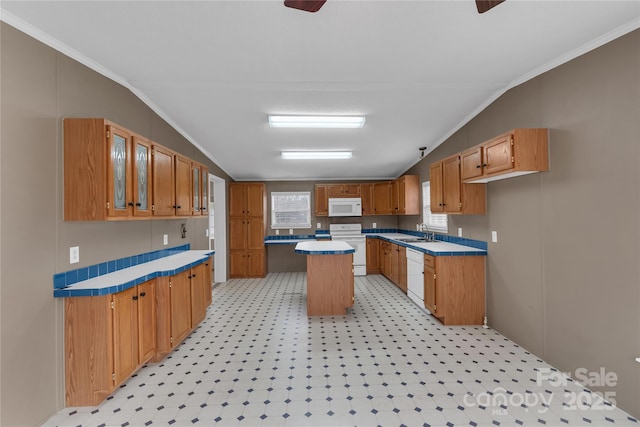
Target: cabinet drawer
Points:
x,y
429,261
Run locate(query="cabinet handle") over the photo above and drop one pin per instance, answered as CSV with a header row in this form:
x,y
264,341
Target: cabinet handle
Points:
x,y
135,297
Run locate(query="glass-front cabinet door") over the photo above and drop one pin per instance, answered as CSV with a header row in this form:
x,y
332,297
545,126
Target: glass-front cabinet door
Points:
x,y
196,186
141,177
205,192
119,201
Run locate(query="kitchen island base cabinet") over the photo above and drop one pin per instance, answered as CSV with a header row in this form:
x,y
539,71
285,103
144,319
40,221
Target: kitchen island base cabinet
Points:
x,y
454,288
330,285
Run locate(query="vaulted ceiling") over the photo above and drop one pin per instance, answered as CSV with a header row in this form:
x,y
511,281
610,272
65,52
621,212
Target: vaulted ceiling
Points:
x,y
418,70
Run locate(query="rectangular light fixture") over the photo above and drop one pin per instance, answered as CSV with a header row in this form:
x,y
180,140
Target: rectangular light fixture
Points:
x,y
316,121
315,155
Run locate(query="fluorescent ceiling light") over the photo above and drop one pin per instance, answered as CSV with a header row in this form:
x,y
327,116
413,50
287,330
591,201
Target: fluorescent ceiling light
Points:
x,y
316,121
316,155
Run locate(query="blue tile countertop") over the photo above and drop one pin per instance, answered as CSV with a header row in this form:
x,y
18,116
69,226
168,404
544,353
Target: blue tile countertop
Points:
x,y
443,246
294,238
324,247
125,278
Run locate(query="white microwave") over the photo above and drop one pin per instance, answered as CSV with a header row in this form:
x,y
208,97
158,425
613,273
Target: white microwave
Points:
x,y
345,206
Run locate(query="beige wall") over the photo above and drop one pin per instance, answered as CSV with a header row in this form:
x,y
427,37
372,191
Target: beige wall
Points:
x,y
39,87
563,280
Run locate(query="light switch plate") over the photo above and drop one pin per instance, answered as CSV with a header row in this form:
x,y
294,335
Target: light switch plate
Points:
x,y
374,225
165,239
318,225
494,236
291,231
277,232
459,231
74,254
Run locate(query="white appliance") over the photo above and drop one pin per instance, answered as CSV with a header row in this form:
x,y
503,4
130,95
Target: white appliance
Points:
x,y
415,276
352,234
345,206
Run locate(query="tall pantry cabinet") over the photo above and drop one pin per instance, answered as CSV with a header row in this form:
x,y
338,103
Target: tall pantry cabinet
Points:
x,y
247,228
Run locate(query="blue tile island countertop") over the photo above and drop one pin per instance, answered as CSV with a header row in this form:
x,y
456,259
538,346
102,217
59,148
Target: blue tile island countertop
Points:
x,y
324,247
125,278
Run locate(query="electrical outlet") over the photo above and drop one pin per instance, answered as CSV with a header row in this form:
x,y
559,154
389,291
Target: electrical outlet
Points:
x,y
318,225
277,232
374,225
165,239
494,236
291,231
206,232
459,231
74,254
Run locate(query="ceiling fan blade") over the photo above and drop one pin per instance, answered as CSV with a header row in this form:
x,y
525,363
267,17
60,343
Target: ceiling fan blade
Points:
x,y
484,5
306,5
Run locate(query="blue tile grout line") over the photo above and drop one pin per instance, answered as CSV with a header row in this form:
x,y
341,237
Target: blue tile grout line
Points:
x,y
67,278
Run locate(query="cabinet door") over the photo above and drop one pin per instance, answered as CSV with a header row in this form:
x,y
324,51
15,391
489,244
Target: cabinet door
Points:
x,y
125,334
163,187
120,200
183,185
451,184
255,263
435,178
351,190
237,263
335,190
255,200
255,234
471,163
396,190
237,199
196,189
382,198
394,255
402,268
180,307
146,321
205,191
141,177
321,200
237,233
430,289
208,281
198,298
367,199
498,154
373,256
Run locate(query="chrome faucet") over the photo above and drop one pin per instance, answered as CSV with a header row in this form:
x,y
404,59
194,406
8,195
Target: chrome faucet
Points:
x,y
429,235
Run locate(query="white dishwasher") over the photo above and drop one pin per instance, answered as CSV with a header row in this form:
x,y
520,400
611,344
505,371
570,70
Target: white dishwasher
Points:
x,y
415,276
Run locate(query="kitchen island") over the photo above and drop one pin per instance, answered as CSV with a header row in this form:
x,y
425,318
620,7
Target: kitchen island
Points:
x,y
330,287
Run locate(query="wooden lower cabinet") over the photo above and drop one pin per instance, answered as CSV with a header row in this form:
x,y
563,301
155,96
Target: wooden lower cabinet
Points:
x,y
454,288
248,263
107,338
373,256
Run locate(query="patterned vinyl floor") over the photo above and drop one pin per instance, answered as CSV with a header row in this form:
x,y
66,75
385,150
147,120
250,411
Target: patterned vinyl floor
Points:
x,y
257,360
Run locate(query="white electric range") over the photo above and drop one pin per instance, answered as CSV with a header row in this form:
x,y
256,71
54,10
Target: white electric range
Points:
x,y
352,234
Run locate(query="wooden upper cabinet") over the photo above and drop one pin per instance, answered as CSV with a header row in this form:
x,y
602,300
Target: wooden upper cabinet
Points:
x,y
514,153
256,200
321,200
366,191
196,188
449,195
382,198
247,199
111,173
237,200
163,181
204,192
183,185
141,176
343,190
406,195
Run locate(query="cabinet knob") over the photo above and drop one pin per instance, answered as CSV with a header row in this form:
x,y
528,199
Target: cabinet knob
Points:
x,y
130,203
478,166
138,204
484,165
142,294
135,297
193,275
